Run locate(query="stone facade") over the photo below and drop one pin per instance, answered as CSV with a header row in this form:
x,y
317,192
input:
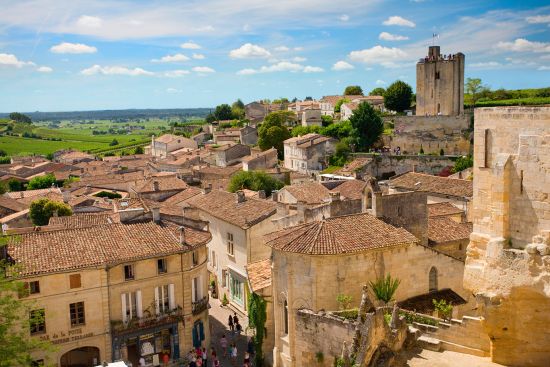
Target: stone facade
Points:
x,y
440,84
430,133
261,161
508,256
230,154
308,153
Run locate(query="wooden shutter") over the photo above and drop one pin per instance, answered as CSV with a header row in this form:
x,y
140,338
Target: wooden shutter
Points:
x,y
74,280
123,303
157,305
139,307
171,297
193,298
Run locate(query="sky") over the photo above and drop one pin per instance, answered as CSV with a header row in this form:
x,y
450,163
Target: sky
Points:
x,y
64,55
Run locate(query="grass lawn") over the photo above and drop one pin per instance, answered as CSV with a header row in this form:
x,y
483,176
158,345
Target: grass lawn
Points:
x,y
15,145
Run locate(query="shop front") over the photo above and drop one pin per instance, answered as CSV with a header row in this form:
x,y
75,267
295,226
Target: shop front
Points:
x,y
150,343
238,287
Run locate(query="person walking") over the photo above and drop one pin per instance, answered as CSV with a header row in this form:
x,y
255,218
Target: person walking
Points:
x,y
238,328
250,346
230,323
223,344
204,357
235,318
234,355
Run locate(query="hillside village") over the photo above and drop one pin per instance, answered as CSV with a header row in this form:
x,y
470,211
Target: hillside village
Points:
x,y
399,253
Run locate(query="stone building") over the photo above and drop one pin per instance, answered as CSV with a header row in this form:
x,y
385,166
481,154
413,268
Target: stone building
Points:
x,y
508,258
308,153
440,84
109,290
230,154
168,143
261,161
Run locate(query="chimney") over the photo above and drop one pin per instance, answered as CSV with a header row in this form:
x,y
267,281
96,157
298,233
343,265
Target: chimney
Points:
x,y
182,235
88,189
156,214
275,195
261,194
334,196
66,196
301,209
207,189
156,186
240,197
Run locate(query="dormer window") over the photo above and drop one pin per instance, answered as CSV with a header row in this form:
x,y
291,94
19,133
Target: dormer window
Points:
x,y
128,272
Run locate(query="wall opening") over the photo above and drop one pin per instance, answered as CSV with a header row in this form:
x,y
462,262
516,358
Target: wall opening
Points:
x,y
433,280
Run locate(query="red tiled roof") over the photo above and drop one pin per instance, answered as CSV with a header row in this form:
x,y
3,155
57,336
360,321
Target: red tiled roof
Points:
x,y
339,235
309,192
165,183
351,189
259,274
445,229
433,184
443,209
83,220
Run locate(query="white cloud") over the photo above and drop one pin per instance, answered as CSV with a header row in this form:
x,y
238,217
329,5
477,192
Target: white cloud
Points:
x,y
380,82
73,48
384,56
544,68
249,51
44,69
172,58
173,90
342,65
537,19
486,65
190,46
523,45
344,17
282,49
12,60
198,56
400,21
247,72
299,59
115,70
299,48
89,21
392,37
313,69
176,73
203,69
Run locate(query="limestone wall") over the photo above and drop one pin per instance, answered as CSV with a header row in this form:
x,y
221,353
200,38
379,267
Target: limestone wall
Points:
x,y
385,165
511,209
431,133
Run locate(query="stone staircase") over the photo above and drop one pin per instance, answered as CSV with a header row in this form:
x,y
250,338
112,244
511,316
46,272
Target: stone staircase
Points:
x,y
462,336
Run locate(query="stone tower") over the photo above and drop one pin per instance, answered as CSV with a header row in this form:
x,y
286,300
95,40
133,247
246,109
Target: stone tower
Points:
x,y
440,84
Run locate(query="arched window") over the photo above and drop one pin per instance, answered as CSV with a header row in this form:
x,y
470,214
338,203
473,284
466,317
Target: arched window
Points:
x,y
433,280
285,316
369,200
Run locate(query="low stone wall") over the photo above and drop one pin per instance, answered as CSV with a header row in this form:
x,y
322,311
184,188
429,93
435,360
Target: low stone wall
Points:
x,y
384,166
320,337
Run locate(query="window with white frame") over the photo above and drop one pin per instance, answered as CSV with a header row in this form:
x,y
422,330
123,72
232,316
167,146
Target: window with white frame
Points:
x,y
196,294
131,305
164,298
230,244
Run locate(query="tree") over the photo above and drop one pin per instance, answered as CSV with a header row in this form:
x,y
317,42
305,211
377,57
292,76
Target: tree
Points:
x,y
398,96
338,131
113,142
473,88
42,210
341,154
19,117
16,347
41,182
3,188
326,120
3,153
353,90
308,98
385,288
254,180
378,91
273,131
238,104
303,130
339,104
14,185
237,110
462,163
223,112
138,150
367,126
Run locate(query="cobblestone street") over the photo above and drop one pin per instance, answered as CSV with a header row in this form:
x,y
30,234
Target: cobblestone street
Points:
x,y
218,327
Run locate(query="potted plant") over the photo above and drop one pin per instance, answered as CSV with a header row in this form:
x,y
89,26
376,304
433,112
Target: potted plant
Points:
x,y
225,301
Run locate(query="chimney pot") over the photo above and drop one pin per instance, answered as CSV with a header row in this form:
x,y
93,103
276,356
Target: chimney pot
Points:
x,y
156,186
275,195
261,194
156,214
241,198
182,235
334,196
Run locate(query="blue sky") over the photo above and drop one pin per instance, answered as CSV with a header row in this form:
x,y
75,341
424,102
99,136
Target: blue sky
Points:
x,y
58,55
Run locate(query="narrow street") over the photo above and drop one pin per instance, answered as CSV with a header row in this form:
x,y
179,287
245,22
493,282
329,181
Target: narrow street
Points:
x,y
218,327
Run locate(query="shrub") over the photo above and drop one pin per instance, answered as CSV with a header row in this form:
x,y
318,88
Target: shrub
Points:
x,y
344,301
385,288
41,182
444,309
42,210
108,194
254,180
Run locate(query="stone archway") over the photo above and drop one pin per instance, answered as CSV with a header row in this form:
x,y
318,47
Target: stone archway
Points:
x,y
80,357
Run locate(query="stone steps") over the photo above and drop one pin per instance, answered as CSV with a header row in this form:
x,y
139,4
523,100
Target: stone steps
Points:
x,y
429,343
445,345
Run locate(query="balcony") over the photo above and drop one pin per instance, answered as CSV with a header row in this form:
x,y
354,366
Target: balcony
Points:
x,y
200,305
119,327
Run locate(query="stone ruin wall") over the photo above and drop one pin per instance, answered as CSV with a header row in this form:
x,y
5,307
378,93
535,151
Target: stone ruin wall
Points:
x,y
508,257
385,165
431,133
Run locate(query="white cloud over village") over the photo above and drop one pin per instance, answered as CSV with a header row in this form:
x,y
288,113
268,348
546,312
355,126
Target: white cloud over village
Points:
x,y
73,48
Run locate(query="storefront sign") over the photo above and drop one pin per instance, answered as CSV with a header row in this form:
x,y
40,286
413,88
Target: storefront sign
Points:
x,y
65,337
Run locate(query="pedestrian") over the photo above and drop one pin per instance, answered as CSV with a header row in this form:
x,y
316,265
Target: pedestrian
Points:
x,y
165,359
216,363
204,357
142,362
250,346
193,362
223,344
234,355
235,318
246,358
230,323
238,328
213,353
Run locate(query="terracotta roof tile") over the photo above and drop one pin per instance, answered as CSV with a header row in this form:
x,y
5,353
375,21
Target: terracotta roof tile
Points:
x,y
443,209
83,220
433,184
309,192
259,274
339,235
11,204
165,183
445,229
223,205
30,193
182,196
351,189
76,248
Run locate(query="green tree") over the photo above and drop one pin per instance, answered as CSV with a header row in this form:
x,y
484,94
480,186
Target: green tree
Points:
x,y
3,187
3,153
462,163
342,151
113,142
138,150
257,316
384,288
398,96
474,87
353,90
223,112
16,318
14,185
42,210
19,117
303,130
41,182
238,104
338,131
326,120
367,126
254,180
339,104
378,91
273,131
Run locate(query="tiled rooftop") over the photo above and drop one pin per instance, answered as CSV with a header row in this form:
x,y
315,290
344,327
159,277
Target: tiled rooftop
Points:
x,y
445,229
433,184
259,274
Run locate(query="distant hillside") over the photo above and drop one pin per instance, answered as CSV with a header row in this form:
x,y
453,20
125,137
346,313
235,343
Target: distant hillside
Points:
x,y
505,97
116,114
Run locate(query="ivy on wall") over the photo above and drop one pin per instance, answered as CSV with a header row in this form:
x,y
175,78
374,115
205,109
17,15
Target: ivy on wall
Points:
x,y
257,316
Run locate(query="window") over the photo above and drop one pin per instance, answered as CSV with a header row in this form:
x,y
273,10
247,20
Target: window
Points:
x,y
164,298
285,316
77,314
195,256
236,289
214,259
197,289
34,287
131,305
224,278
161,266
433,280
74,281
128,272
230,244
37,321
